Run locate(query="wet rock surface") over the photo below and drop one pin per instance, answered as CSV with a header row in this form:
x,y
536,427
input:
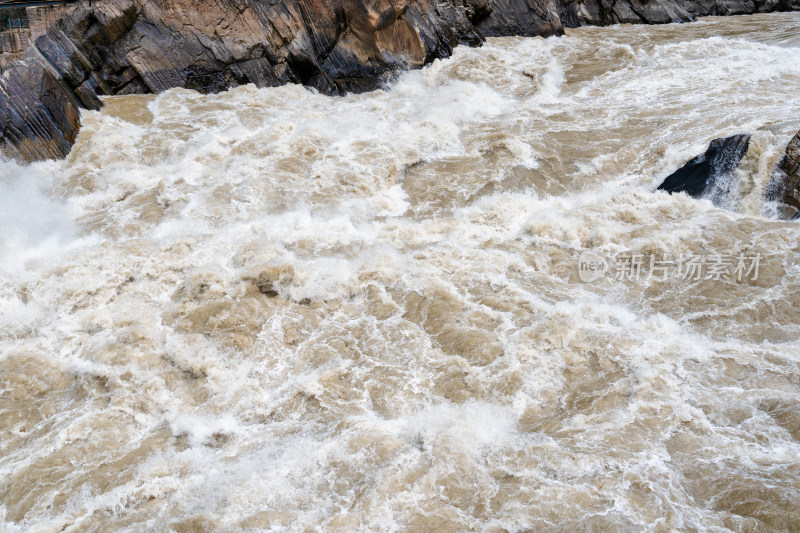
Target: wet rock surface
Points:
x,y
39,114
785,184
711,174
114,47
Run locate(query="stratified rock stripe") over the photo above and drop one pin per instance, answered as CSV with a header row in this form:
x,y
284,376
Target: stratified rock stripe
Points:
x,y
39,114
785,184
106,47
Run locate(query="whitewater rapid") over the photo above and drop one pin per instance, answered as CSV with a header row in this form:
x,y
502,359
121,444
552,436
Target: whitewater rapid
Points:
x,y
270,309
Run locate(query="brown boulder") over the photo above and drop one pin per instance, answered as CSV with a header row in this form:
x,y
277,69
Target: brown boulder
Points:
x,y
785,184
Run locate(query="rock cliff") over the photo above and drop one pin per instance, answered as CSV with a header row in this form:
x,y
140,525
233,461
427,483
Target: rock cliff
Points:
x,y
106,47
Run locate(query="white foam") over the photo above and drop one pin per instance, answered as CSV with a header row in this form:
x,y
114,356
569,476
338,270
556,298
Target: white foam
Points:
x,y
365,312
33,224
199,429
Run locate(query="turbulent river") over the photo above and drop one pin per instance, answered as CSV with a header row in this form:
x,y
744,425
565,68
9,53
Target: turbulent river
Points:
x,y
273,309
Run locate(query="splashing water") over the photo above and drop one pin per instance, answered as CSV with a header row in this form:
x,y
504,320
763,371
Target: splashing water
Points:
x,y
272,309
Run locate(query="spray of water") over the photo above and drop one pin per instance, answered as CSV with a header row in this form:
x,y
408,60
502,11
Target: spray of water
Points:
x,y
272,309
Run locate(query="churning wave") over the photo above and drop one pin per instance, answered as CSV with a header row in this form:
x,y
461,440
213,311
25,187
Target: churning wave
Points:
x,y
272,309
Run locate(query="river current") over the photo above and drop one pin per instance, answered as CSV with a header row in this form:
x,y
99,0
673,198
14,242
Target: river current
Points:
x,y
456,304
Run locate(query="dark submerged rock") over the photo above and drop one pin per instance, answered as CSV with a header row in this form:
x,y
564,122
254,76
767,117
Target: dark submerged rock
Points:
x,y
710,175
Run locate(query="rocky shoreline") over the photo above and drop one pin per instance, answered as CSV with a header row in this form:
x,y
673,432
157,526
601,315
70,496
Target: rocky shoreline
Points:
x,y
116,47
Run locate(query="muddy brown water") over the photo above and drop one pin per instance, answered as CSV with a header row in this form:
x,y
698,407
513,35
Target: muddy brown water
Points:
x,y
275,310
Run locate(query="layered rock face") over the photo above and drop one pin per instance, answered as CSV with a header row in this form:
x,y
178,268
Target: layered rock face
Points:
x,y
107,47
13,39
785,185
39,113
24,26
